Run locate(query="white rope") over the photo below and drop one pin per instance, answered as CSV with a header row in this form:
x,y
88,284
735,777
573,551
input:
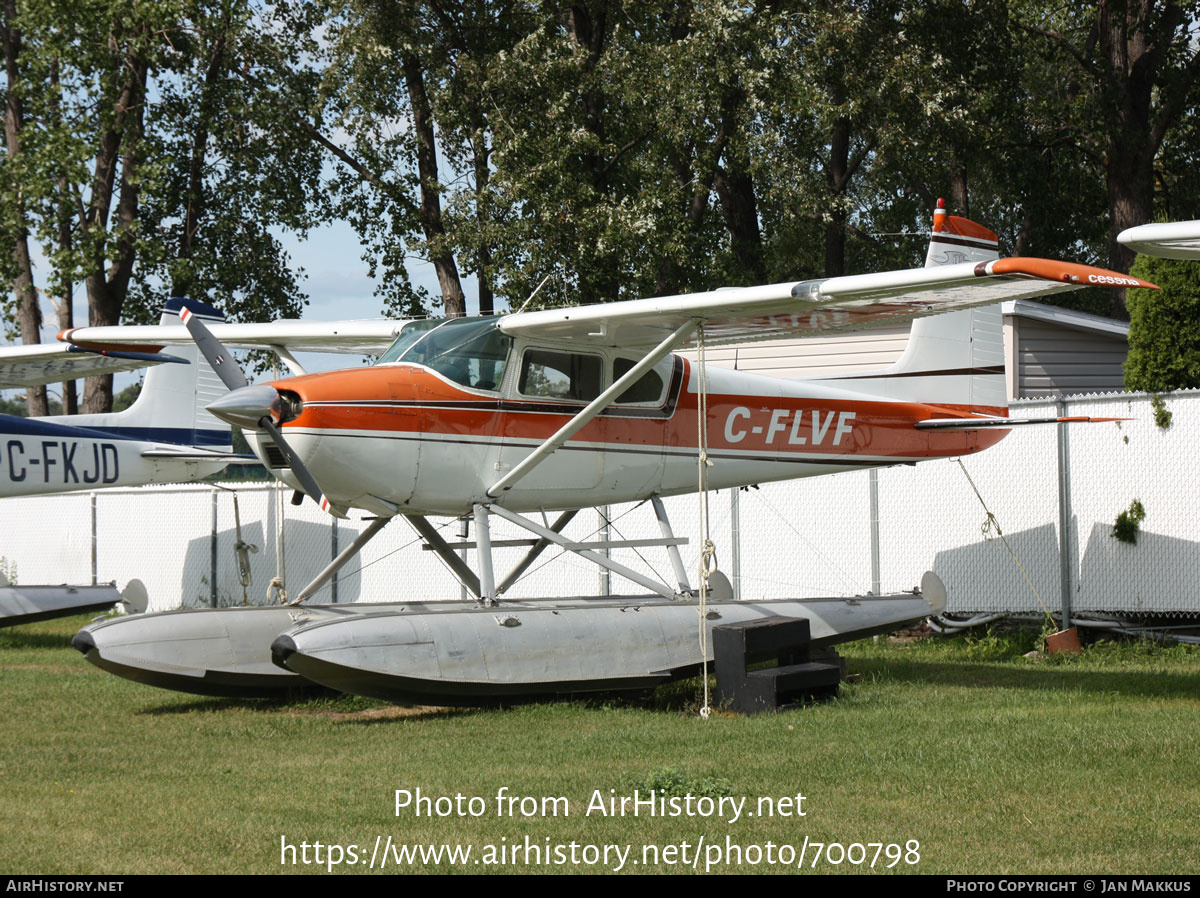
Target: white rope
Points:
x,y
990,525
708,552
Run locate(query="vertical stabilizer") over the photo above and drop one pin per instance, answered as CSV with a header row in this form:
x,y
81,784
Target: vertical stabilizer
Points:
x,y
172,405
955,359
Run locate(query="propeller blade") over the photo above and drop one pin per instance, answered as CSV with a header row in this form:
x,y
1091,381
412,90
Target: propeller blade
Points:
x,y
245,407
211,348
307,481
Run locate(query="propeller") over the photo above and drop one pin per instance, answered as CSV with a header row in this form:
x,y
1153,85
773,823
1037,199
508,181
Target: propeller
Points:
x,y
254,407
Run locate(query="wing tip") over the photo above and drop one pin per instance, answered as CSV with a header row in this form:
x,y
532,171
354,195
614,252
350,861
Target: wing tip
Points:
x,y
1054,270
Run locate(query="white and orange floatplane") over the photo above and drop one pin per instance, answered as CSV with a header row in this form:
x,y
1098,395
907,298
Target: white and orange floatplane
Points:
x,y
564,409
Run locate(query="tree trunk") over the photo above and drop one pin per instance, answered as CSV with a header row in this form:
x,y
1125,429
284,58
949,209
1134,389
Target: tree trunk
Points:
x,y
483,252
120,148
837,175
183,283
29,314
431,204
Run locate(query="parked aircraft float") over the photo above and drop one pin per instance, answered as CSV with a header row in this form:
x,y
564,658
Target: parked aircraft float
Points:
x,y
564,409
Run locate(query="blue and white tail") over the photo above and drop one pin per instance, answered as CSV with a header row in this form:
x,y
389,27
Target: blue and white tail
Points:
x,y
172,405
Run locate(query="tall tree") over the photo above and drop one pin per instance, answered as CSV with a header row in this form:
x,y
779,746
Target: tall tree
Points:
x,y
144,165
1141,65
16,173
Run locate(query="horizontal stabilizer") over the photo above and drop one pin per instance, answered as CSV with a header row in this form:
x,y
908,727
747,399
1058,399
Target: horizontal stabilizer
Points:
x,y
184,453
984,423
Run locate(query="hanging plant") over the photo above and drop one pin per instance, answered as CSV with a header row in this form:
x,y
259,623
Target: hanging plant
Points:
x,y
1162,416
1128,522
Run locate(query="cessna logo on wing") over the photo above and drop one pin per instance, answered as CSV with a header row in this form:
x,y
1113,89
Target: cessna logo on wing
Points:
x,y
787,426
1111,279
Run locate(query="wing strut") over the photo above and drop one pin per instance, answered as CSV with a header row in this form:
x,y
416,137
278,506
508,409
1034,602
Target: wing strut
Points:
x,y
338,563
593,408
595,557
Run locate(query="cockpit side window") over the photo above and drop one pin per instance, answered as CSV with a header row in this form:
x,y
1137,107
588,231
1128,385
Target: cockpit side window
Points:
x,y
561,375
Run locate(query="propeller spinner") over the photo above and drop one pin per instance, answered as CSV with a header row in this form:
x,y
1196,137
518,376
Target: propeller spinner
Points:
x,y
254,407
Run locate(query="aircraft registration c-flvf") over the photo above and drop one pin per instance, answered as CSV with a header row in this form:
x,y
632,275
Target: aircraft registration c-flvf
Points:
x,y
564,409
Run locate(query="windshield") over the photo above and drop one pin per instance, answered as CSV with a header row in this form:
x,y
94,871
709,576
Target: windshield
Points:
x,y
468,351
409,334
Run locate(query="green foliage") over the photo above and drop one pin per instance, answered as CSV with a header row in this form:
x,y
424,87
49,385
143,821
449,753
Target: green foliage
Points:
x,y
1162,415
17,406
673,781
1164,327
598,151
148,165
126,397
1128,523
995,645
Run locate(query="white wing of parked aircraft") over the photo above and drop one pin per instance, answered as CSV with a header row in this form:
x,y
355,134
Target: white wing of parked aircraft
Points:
x,y
1168,240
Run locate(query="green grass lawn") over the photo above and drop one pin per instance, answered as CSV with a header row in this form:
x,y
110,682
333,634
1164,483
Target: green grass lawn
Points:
x,y
993,763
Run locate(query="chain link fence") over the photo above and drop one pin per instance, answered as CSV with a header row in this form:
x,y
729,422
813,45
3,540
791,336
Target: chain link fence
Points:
x,y
813,537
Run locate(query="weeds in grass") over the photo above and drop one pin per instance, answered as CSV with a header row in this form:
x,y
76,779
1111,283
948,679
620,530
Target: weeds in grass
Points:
x,y
677,782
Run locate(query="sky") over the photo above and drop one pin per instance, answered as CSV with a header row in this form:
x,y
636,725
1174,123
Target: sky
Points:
x,y
336,281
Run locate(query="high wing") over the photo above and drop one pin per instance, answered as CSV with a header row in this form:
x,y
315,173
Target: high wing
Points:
x,y
361,337
44,363
810,308
1168,239
84,351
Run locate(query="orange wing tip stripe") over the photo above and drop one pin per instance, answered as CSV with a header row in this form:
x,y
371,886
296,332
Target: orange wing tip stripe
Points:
x,y
1052,270
964,227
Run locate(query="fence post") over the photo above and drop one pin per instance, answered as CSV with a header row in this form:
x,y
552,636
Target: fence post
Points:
x,y
333,553
1064,514
876,576
94,535
212,555
735,540
605,535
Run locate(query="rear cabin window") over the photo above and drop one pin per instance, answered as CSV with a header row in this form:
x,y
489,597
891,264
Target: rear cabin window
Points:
x,y
561,375
649,388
